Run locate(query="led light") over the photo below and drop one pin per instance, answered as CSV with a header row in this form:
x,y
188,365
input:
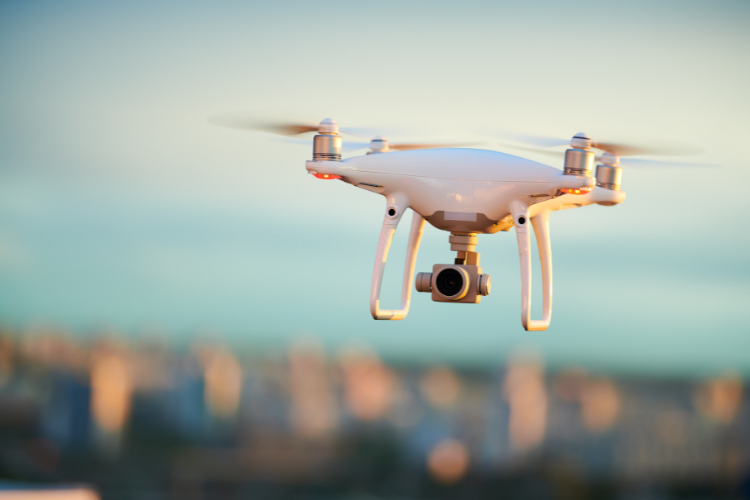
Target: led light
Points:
x,y
574,191
326,176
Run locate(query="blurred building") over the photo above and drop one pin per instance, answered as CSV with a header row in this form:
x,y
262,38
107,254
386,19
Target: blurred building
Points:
x,y
129,415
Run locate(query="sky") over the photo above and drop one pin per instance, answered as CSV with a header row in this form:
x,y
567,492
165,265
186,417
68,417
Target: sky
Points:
x,y
122,207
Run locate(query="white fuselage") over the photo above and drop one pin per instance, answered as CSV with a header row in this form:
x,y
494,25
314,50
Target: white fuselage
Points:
x,y
458,190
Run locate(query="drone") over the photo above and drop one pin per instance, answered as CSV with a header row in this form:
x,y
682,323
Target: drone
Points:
x,y
467,192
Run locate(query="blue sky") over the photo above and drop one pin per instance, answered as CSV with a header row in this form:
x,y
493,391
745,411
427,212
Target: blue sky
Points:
x,y
121,205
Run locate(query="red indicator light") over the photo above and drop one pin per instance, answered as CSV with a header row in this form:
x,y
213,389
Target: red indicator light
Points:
x,y
574,191
326,176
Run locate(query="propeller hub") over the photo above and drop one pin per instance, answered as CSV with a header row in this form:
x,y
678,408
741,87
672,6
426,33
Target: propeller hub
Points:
x,y
610,159
580,141
328,126
379,144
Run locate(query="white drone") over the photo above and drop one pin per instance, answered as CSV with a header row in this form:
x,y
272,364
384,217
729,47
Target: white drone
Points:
x,y
467,192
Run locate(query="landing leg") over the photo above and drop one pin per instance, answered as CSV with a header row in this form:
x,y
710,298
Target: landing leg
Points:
x,y
541,227
384,244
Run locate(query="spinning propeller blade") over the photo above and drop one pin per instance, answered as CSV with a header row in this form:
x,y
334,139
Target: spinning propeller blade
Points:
x,y
637,163
349,146
536,140
346,147
541,151
662,149
243,121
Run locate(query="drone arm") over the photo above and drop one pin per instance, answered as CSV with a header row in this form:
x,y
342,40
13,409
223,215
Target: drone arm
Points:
x,y
540,221
384,244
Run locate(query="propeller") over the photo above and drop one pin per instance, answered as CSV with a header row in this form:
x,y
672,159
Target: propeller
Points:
x,y
617,149
244,121
381,144
639,163
612,159
612,152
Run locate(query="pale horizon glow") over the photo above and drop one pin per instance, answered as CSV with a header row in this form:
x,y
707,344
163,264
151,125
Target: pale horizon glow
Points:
x,y
122,206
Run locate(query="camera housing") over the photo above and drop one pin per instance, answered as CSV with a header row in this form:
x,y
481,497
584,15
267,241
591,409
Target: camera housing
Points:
x,y
459,283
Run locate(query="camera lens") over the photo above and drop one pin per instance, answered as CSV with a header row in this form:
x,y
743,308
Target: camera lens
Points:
x,y
449,282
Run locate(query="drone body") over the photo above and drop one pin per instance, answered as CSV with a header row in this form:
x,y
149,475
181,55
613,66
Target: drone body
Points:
x,y
465,192
457,190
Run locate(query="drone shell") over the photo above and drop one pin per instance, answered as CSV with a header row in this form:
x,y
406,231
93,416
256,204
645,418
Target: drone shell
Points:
x,y
457,190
